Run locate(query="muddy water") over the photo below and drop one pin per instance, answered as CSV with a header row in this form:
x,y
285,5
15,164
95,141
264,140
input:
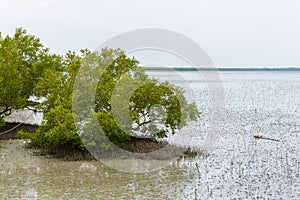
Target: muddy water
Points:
x,y
25,176
239,166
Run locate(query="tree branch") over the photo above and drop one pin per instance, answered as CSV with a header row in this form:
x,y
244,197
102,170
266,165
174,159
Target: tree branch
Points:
x,y
6,109
32,109
145,122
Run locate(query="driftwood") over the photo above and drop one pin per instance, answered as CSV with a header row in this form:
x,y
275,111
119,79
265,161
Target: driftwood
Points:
x,y
264,138
9,130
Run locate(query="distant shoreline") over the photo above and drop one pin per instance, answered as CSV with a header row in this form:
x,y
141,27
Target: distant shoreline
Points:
x,y
219,69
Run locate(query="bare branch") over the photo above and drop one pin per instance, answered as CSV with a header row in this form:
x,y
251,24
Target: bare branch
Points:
x,y
145,122
6,111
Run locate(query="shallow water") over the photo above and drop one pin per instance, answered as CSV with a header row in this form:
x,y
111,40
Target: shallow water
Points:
x,y
34,177
239,166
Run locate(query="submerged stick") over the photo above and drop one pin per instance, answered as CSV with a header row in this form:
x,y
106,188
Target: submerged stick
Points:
x,y
13,128
264,138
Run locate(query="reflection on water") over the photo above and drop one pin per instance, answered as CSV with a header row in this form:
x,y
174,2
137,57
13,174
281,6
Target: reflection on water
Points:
x,y
239,166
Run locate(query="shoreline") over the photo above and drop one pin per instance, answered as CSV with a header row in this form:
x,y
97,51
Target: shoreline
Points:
x,y
140,148
166,151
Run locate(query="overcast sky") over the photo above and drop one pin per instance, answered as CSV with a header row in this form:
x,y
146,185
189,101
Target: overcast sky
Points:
x,y
233,32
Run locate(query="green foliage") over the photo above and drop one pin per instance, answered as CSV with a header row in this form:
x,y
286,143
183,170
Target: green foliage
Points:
x,y
166,109
2,122
23,60
154,109
118,65
58,128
